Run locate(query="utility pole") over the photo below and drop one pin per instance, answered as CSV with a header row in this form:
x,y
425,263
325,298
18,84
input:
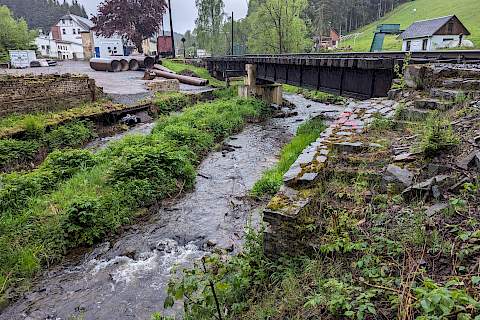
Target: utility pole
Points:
x,y
232,33
171,28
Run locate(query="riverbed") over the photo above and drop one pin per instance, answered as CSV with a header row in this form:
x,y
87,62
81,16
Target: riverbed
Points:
x,y
126,277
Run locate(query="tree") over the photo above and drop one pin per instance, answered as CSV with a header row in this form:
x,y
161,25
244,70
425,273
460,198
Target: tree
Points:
x,y
134,20
46,13
14,34
209,24
277,26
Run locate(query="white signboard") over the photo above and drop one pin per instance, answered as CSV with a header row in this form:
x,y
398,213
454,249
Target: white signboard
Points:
x,y
21,58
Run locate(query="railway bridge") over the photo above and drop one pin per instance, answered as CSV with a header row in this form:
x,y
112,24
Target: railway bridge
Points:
x,y
351,74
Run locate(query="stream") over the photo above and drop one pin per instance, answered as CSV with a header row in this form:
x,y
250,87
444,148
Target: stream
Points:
x,y
126,277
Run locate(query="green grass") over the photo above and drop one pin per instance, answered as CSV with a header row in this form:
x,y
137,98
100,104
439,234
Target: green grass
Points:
x,y
34,123
466,10
314,95
201,72
271,180
76,198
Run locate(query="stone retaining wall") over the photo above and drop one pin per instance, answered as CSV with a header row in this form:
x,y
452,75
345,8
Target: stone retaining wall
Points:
x,y
287,215
29,93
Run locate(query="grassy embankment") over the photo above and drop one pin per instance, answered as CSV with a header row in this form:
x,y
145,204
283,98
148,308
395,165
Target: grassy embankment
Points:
x,y
377,253
271,180
466,10
178,67
75,198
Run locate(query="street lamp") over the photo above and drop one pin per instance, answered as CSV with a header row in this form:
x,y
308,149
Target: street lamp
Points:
x,y
184,51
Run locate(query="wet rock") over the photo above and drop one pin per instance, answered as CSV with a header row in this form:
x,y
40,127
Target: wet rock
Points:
x,y
436,208
292,173
350,147
428,188
404,157
469,161
144,117
230,248
281,115
211,243
394,175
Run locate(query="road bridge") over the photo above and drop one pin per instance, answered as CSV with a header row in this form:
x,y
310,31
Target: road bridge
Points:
x,y
352,74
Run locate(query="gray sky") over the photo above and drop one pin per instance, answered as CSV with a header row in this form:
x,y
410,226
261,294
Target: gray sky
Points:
x,y
183,11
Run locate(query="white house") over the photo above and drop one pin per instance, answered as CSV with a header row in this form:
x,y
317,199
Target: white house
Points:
x,y
434,34
65,40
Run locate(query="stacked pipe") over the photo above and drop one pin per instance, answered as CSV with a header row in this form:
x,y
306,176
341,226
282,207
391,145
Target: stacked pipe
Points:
x,y
116,64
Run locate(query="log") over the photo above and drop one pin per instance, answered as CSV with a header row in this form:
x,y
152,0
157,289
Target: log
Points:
x,y
162,68
183,79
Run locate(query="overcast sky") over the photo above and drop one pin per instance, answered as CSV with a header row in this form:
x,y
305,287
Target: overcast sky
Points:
x,y
183,11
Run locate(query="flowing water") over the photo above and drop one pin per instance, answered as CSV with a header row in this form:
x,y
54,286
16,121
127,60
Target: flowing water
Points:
x,y
126,278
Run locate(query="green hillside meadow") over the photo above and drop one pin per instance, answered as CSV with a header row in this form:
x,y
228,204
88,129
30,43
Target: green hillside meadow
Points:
x,y
468,11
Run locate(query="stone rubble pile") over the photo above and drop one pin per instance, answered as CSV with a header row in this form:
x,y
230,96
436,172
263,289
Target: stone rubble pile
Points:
x,y
338,136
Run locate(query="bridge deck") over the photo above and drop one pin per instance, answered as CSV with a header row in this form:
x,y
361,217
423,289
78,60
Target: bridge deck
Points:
x,y
360,75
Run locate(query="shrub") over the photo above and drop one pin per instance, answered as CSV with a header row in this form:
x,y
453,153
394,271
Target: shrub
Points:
x,y
63,164
34,127
437,135
16,188
181,135
168,102
16,151
152,172
73,134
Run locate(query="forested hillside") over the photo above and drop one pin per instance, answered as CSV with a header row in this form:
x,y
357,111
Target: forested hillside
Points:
x,y
43,13
468,11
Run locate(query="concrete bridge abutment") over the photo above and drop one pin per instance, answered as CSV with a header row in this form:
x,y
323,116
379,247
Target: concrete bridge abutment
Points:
x,y
269,92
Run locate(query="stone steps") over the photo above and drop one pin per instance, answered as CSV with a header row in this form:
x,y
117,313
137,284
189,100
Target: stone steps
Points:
x,y
457,72
414,114
432,104
461,84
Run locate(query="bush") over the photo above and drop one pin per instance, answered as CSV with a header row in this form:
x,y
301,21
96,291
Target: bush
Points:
x,y
34,128
162,166
181,135
16,151
73,134
436,135
17,188
63,164
168,102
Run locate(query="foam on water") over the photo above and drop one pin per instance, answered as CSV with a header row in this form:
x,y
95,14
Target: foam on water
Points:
x,y
162,259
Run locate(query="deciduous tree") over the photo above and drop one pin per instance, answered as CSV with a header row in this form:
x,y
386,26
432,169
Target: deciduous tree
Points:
x,y
209,24
277,26
134,20
14,34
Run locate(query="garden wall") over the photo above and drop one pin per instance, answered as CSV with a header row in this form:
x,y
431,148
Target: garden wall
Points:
x,y
40,93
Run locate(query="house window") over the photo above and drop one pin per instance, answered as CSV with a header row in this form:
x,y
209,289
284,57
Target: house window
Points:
x,y
78,31
450,27
63,21
64,31
447,39
74,31
424,44
43,47
409,45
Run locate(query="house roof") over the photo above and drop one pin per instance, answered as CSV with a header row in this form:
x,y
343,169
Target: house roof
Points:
x,y
426,28
81,21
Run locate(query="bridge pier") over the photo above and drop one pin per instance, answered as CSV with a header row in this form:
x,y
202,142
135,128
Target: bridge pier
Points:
x,y
269,92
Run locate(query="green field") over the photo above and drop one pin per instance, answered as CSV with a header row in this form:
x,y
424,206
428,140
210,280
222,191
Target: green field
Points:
x,y
468,11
